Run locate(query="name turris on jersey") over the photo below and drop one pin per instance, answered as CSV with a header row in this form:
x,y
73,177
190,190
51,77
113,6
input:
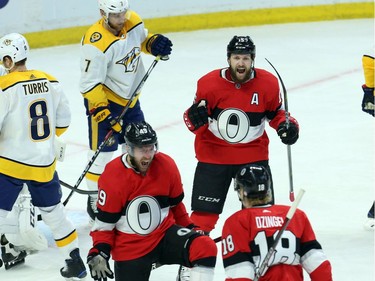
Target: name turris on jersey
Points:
x,y
36,88
269,221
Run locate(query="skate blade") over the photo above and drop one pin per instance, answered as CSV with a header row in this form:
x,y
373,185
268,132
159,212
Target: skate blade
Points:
x,y
80,278
9,265
75,278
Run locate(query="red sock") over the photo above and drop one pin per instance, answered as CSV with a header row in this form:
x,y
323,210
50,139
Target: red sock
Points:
x,y
205,221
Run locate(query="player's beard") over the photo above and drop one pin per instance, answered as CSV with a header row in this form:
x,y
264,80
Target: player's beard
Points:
x,y
116,28
240,74
142,165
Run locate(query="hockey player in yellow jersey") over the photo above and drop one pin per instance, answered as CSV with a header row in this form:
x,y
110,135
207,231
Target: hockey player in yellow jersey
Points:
x,y
368,64
33,111
111,69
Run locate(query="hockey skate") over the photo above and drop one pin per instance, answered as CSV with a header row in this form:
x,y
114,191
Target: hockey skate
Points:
x,y
370,222
74,268
91,208
10,255
183,273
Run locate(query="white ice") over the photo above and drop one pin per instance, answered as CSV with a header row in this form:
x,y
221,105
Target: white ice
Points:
x,y
333,160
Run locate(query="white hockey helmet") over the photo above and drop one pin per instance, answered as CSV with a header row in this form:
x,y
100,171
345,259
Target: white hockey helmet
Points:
x,y
113,6
15,46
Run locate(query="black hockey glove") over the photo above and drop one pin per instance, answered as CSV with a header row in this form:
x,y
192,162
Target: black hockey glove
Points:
x,y
97,260
197,115
103,115
159,45
288,133
368,100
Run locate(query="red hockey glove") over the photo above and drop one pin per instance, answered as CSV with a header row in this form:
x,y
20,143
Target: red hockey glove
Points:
x,y
196,116
97,260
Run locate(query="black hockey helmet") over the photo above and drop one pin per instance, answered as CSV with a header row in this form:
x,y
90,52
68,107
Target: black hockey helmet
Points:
x,y
255,181
241,45
140,134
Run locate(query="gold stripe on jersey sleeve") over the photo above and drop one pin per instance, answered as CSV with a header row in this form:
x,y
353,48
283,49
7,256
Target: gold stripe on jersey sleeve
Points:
x,y
96,97
119,100
368,63
67,240
60,131
92,177
27,172
100,95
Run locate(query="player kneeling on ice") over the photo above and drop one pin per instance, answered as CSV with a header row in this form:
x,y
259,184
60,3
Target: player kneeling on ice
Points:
x,y
249,233
141,218
33,111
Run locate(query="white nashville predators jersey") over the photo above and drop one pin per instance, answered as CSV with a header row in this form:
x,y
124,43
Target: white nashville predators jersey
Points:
x,y
2,70
111,66
33,109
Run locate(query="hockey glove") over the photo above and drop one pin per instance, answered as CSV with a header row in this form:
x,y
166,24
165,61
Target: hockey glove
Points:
x,y
159,45
288,133
368,100
97,260
196,116
104,116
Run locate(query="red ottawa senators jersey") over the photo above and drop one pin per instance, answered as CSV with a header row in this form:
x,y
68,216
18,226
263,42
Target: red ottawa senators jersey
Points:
x,y
235,133
134,211
249,233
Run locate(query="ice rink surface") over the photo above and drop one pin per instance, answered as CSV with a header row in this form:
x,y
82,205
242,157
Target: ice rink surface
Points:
x,y
333,160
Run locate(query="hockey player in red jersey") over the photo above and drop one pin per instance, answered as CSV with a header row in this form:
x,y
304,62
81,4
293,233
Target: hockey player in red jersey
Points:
x,y
141,218
248,234
228,118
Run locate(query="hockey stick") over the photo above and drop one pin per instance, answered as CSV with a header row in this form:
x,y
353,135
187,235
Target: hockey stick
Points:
x,y
79,191
156,265
110,132
291,188
264,265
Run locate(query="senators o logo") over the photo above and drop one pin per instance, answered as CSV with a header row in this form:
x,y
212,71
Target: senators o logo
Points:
x,y
143,214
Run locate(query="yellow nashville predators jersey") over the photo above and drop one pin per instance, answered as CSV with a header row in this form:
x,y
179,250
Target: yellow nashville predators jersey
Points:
x,y
33,109
111,66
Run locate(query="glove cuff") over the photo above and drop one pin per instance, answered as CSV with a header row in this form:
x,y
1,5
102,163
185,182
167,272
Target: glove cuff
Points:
x,y
100,114
150,41
294,121
368,90
102,248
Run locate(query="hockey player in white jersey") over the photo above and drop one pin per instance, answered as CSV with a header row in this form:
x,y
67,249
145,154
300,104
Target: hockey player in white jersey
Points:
x,y
111,69
33,111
